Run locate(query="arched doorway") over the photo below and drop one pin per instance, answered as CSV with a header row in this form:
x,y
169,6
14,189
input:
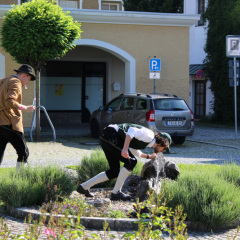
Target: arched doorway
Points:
x,y
80,82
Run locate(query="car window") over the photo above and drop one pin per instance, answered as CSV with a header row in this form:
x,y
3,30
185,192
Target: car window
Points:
x,y
141,104
113,104
170,104
127,103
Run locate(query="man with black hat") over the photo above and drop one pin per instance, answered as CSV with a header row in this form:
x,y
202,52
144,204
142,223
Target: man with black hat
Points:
x,y
11,125
122,143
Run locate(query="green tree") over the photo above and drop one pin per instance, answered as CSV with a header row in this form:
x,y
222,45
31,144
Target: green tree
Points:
x,y
35,32
164,6
223,19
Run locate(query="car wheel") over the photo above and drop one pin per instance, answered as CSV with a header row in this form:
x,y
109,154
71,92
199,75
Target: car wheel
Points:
x,y
178,139
95,129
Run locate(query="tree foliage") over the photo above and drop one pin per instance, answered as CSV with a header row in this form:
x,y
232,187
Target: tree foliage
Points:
x,y
164,6
38,31
223,19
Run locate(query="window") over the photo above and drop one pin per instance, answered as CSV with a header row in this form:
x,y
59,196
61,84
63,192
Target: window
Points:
x,y
110,6
127,104
141,104
200,99
201,10
113,105
68,4
170,104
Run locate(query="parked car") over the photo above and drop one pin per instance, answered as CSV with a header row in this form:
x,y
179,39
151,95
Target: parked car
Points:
x,y
159,112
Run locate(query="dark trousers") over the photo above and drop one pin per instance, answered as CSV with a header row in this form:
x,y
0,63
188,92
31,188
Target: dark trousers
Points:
x,y
7,135
112,146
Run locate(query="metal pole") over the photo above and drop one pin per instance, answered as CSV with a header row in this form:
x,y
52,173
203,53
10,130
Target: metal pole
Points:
x,y
154,86
154,90
235,95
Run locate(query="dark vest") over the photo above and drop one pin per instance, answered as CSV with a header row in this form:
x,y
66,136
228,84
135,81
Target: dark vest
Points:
x,y
135,143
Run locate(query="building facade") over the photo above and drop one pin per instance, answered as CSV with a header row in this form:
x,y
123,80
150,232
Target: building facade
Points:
x,y
200,95
112,57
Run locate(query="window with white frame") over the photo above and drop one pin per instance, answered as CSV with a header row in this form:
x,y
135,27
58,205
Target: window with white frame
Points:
x,y
68,4
110,6
201,10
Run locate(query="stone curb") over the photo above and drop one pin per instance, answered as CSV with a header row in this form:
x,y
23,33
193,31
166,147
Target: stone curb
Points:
x,y
117,224
120,224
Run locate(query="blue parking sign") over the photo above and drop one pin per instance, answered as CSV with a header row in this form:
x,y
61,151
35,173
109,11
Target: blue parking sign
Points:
x,y
155,64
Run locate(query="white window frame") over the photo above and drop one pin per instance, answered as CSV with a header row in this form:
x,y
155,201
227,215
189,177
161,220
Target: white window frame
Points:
x,y
201,10
110,4
68,2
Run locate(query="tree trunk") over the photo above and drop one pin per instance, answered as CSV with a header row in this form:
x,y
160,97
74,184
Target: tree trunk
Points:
x,y
37,104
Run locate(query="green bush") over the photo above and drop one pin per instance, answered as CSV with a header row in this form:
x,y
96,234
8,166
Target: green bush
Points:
x,y
33,186
97,163
205,197
231,173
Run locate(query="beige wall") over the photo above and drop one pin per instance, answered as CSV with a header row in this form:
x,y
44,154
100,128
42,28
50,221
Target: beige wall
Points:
x,y
170,44
142,42
90,4
8,2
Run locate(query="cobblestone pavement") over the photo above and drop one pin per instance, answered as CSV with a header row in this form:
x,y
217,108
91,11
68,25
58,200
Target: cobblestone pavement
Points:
x,y
220,145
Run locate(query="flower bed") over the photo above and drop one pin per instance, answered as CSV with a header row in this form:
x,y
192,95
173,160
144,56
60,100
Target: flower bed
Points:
x,y
98,206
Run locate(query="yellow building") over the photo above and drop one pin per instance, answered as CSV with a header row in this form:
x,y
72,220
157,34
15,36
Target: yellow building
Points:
x,y
115,49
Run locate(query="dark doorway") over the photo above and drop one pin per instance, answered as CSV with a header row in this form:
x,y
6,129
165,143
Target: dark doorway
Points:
x,y
72,90
200,99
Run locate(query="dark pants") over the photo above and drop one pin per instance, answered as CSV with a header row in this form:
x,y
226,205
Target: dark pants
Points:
x,y
7,135
112,146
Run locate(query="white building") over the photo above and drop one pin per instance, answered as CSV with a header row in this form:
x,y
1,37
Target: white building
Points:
x,y
200,95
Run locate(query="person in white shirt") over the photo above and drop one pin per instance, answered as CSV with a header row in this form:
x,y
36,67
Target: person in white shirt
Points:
x,y
122,143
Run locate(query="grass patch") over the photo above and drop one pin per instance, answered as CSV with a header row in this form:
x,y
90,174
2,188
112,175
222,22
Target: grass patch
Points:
x,y
73,167
205,194
199,168
6,170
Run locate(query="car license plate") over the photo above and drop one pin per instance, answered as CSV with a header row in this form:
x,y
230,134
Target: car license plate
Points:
x,y
174,123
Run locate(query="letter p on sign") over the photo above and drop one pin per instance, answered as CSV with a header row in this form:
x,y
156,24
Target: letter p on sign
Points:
x,y
155,64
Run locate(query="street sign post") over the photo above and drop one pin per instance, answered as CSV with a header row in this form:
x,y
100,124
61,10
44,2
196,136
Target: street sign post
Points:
x,y
155,64
233,50
154,68
154,75
231,73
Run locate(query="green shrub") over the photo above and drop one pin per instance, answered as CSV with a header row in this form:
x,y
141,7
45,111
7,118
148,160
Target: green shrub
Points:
x,y
97,163
231,173
205,198
33,186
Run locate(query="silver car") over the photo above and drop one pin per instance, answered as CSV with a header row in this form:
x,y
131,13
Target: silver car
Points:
x,y
159,112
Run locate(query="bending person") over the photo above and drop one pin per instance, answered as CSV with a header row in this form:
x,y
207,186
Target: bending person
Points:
x,y
122,143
